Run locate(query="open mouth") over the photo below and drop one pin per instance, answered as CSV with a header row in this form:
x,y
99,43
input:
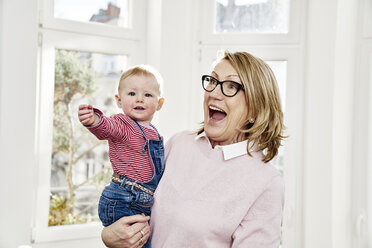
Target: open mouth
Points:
x,y
216,114
139,108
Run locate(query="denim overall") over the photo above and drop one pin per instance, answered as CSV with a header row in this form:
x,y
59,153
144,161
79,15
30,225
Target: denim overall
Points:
x,y
121,199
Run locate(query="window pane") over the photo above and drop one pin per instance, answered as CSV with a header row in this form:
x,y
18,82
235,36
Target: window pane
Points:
x,y
252,16
80,164
280,70
109,12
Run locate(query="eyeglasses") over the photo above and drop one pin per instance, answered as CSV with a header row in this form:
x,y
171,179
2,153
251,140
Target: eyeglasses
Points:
x,y
228,88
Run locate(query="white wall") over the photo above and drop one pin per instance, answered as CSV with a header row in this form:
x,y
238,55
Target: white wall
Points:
x,y
17,119
174,54
328,110
329,78
330,65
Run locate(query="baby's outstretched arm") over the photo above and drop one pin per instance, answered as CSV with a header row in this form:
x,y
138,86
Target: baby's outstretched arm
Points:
x,y
86,115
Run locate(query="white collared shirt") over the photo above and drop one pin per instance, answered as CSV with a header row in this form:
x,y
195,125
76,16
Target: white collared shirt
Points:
x,y
229,151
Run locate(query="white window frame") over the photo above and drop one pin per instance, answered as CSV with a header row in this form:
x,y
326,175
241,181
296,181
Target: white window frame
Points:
x,y
271,47
209,37
362,144
364,229
135,31
362,162
62,34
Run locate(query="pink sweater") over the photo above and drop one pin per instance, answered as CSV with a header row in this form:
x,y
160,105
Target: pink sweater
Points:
x,y
205,201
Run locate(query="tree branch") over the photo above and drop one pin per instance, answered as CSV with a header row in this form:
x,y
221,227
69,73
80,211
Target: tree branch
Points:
x,y
76,186
86,208
86,152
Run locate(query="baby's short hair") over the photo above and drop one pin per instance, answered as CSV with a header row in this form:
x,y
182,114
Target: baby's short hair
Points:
x,y
144,70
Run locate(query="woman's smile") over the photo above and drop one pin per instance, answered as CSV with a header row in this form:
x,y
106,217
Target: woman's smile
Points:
x,y
216,114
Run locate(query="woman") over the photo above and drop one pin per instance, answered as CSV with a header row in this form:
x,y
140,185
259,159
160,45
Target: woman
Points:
x,y
218,189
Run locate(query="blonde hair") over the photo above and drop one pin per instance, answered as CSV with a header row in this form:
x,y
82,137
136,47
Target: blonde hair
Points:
x,y
262,95
143,70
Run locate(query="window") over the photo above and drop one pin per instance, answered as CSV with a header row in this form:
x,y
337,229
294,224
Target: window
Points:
x,y
81,61
119,18
250,21
280,71
105,12
80,166
271,30
247,16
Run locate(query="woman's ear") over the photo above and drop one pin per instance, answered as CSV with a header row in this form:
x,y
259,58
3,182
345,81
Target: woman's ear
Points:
x,y
160,103
251,119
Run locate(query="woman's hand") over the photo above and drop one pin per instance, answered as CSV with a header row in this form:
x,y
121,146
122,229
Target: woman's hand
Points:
x,y
127,232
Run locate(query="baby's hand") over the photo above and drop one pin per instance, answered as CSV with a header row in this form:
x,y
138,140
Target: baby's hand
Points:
x,y
86,115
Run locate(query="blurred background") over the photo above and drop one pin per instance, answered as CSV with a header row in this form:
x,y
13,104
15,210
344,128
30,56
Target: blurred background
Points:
x,y
57,54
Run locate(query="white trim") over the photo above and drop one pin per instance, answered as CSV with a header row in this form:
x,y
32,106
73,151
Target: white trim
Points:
x,y
98,44
369,152
45,134
67,232
361,194
362,158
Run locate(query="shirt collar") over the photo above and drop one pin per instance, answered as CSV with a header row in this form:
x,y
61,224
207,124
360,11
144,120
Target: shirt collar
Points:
x,y
229,151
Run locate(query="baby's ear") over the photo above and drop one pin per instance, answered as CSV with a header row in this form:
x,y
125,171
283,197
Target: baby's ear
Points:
x,y
160,103
118,100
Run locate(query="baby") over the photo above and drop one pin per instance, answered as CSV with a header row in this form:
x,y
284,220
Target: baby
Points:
x,y
136,148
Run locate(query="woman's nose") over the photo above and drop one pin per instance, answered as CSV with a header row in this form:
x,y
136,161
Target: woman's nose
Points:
x,y
217,92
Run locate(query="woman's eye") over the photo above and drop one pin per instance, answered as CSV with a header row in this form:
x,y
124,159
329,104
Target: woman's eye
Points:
x,y
148,95
232,85
213,81
132,94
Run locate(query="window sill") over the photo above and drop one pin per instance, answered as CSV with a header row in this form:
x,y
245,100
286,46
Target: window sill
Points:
x,y
67,232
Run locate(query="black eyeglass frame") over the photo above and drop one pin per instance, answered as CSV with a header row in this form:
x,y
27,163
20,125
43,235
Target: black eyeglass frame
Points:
x,y
240,86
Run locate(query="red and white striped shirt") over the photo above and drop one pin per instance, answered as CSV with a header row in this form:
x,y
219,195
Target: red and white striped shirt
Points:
x,y
125,145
